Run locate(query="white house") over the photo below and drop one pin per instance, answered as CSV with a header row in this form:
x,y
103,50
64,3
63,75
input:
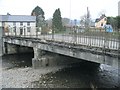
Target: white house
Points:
x,y
18,24
101,22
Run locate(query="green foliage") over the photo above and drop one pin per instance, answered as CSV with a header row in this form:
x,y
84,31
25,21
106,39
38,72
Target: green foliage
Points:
x,y
108,20
40,19
38,11
118,21
57,21
114,21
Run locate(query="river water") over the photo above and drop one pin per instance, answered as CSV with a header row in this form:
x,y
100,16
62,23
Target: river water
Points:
x,y
77,75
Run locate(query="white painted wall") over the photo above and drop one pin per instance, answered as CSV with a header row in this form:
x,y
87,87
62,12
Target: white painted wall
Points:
x,y
18,26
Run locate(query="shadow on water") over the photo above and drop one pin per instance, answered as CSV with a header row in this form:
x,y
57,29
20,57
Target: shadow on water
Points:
x,y
17,60
79,75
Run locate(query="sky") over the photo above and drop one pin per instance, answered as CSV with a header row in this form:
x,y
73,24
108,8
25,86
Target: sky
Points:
x,y
72,9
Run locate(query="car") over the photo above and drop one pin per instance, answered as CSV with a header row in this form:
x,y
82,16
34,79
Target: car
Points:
x,y
108,28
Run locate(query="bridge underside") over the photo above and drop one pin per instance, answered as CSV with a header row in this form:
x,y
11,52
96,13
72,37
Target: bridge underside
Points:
x,y
96,55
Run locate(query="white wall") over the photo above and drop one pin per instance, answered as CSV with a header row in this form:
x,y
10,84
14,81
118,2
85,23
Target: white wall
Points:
x,y
24,26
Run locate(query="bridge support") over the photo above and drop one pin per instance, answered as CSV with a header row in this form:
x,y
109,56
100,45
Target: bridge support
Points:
x,y
38,60
9,49
14,49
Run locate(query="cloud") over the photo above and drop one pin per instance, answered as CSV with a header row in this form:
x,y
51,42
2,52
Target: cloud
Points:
x,y
74,11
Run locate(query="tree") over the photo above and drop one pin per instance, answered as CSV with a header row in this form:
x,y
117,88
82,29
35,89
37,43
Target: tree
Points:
x,y
118,22
65,21
86,19
40,19
57,21
114,21
37,11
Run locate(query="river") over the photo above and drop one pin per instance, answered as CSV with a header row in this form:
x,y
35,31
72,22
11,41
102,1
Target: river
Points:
x,y
77,75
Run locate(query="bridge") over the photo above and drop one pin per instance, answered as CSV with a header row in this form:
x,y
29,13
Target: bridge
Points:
x,y
93,45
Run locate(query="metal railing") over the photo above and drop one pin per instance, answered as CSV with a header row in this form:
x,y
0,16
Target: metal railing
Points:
x,y
92,37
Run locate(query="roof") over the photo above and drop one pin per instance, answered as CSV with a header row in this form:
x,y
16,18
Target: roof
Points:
x,y
17,18
101,17
97,20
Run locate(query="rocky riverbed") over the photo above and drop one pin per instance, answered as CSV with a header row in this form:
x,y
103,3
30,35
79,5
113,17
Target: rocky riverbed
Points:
x,y
17,72
22,77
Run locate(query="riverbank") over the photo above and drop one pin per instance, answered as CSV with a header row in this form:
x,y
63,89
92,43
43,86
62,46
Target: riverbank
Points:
x,y
22,77
17,72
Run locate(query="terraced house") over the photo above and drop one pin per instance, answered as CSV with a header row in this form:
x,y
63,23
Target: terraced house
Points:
x,y
18,24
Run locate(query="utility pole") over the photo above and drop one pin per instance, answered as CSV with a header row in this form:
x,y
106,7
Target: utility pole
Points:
x,y
88,18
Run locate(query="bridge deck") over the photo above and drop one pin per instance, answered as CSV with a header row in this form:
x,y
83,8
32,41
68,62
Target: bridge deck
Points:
x,y
91,41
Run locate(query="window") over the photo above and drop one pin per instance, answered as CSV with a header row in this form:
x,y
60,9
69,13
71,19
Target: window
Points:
x,y
28,23
14,29
101,24
3,24
105,19
21,30
14,23
21,23
28,29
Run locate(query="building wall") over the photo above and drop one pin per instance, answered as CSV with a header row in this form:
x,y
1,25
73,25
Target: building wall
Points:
x,y
119,8
10,26
101,23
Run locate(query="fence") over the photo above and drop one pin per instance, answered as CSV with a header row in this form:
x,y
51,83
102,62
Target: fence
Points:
x,y
78,36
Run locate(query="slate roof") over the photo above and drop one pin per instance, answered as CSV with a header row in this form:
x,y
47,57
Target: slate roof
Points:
x,y
17,18
101,17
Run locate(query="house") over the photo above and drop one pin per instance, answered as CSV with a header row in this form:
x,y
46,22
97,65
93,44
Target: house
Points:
x,y
18,24
101,22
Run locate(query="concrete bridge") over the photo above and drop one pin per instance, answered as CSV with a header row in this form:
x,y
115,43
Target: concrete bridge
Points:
x,y
90,48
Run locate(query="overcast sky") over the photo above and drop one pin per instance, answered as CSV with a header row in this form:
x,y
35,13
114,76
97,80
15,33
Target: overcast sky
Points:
x,y
75,10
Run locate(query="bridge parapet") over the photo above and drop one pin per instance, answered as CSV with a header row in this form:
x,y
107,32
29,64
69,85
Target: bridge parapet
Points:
x,y
98,55
96,46
91,38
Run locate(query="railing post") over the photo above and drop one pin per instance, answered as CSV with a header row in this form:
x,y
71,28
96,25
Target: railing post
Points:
x,y
53,34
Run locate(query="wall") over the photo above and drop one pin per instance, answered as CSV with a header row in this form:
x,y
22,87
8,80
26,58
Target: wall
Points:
x,y
32,25
103,21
